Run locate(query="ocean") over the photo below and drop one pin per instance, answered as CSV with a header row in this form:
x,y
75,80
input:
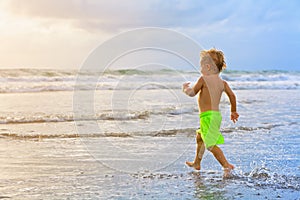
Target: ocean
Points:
x,y
126,134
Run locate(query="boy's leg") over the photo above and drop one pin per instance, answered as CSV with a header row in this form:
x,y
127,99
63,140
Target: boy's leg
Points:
x,y
200,149
219,155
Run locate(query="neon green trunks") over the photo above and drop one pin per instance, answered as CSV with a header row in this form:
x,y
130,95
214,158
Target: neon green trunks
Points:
x,y
210,122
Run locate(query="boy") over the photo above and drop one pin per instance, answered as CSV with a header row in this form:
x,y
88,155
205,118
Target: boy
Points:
x,y
210,87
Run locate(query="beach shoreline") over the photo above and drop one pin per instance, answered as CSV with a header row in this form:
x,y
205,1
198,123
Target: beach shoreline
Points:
x,y
63,168
142,140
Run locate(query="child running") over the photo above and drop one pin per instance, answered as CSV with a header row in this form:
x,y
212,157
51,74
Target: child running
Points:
x,y
210,88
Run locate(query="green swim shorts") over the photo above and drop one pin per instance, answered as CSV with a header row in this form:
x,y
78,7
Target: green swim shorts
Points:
x,y
210,122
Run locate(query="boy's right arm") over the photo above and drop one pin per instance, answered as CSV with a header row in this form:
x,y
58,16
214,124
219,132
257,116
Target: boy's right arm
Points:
x,y
234,115
195,89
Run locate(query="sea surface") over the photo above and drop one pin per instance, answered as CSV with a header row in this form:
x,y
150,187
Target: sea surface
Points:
x,y
126,134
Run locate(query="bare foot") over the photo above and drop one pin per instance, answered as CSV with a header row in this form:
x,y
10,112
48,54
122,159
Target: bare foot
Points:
x,y
227,171
192,164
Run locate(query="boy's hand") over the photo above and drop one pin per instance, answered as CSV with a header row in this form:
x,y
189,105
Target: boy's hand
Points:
x,y
185,86
234,116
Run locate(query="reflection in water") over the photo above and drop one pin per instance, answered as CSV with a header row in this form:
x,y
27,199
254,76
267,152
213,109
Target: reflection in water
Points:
x,y
208,185
47,161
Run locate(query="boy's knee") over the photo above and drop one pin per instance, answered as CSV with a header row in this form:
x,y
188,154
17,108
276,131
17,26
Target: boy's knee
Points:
x,y
199,138
210,148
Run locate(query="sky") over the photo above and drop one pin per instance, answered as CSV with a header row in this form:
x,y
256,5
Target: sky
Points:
x,y
60,34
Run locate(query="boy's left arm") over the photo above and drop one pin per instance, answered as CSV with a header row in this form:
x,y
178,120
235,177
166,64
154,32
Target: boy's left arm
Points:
x,y
234,115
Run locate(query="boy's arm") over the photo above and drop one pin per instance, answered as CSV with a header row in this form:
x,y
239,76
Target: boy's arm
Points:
x,y
195,89
234,115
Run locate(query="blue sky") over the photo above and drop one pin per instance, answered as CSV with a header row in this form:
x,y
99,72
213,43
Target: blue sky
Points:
x,y
61,33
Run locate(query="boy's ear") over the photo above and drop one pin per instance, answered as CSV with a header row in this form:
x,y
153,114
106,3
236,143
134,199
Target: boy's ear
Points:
x,y
208,66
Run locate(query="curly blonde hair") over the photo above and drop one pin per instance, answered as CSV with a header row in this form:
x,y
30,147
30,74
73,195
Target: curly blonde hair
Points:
x,y
215,57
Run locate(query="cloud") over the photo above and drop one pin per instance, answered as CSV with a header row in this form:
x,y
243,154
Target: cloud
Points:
x,y
246,29
93,15
103,15
86,14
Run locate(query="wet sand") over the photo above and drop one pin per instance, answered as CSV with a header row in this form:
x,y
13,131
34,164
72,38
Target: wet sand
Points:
x,y
50,160
63,168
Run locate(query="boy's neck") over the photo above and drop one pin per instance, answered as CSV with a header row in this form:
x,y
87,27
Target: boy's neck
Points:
x,y
211,74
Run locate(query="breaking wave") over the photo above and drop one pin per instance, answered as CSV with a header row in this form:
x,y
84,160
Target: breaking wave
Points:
x,y
36,80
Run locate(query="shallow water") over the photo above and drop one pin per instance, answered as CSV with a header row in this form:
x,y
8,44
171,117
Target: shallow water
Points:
x,y
140,157
62,168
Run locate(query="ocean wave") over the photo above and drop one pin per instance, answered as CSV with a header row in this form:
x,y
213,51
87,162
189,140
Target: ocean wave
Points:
x,y
41,118
187,131
7,88
242,129
37,136
260,76
53,74
36,118
34,80
30,72
158,133
15,73
106,115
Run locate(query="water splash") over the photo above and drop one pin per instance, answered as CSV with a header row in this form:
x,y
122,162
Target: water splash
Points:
x,y
261,177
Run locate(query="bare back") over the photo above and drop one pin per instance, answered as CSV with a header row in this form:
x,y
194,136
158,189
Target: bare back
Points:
x,y
210,93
